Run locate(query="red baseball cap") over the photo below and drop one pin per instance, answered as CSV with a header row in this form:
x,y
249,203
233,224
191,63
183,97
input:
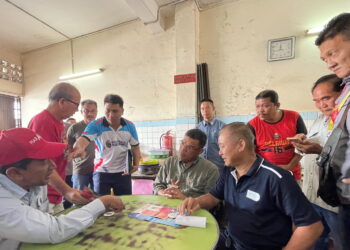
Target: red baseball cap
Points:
x,y
21,143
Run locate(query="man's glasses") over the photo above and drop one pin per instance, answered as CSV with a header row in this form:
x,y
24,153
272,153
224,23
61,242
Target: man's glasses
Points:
x,y
69,100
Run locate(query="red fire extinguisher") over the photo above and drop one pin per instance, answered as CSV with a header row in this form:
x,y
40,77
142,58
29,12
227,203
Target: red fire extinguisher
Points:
x,y
166,141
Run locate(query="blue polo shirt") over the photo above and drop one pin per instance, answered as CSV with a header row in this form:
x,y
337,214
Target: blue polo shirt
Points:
x,y
262,205
211,148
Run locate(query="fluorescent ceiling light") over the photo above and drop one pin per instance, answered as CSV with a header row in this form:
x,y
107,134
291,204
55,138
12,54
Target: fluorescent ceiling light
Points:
x,y
315,30
81,74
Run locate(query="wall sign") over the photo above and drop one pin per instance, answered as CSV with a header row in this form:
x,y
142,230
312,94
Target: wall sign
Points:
x,y
185,78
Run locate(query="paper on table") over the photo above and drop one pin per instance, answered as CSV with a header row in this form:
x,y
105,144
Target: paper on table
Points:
x,y
192,221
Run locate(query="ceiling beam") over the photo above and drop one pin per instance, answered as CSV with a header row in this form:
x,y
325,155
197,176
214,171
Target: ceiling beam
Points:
x,y
148,12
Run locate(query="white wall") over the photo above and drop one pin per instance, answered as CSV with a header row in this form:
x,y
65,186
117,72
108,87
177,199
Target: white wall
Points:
x,y
233,41
231,38
138,66
9,87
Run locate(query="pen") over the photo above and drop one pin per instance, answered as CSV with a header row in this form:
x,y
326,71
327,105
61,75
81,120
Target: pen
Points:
x,y
313,135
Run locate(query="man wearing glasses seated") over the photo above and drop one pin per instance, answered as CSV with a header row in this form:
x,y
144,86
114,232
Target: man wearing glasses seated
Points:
x,y
187,175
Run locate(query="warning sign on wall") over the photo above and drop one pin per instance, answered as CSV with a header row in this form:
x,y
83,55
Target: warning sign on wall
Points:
x,y
185,78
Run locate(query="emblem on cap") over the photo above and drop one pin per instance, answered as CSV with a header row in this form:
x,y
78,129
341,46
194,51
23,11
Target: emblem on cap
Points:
x,y
35,139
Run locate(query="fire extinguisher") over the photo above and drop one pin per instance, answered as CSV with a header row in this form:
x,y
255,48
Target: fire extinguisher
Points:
x,y
166,141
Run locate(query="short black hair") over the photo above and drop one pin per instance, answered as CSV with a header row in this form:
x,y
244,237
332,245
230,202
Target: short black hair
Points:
x,y
114,99
22,164
268,93
338,25
332,79
198,135
207,100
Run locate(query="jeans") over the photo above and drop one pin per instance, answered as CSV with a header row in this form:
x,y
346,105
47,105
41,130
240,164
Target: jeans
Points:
x,y
104,182
331,228
82,181
344,225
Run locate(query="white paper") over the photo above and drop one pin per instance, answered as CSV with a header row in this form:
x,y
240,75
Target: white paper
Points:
x,y
192,221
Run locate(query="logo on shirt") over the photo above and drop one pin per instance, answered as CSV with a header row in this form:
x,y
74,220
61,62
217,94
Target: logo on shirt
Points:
x,y
253,195
276,136
109,143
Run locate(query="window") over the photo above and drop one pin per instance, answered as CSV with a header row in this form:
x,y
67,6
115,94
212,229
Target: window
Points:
x,y
10,112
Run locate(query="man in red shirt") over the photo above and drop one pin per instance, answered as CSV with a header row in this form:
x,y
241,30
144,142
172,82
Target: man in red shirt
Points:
x,y
64,101
271,127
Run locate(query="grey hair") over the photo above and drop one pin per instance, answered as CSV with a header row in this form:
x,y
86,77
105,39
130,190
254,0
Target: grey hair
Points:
x,y
241,131
61,90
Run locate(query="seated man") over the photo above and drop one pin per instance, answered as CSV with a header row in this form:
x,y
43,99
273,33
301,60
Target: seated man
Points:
x,y
187,175
25,170
263,202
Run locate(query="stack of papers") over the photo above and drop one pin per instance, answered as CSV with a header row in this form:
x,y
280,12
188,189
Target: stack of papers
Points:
x,y
167,216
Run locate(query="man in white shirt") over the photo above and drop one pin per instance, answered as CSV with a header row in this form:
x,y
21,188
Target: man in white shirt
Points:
x,y
25,169
324,93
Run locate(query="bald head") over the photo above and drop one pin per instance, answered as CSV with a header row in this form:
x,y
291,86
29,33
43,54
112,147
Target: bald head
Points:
x,y
63,90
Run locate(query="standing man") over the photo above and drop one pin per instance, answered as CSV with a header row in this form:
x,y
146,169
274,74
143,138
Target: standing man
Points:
x,y
324,93
334,45
211,127
64,101
263,202
83,167
271,128
187,175
25,169
113,135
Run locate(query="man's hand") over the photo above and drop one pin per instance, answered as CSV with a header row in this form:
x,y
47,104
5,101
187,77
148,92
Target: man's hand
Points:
x,y
74,196
172,193
112,202
297,138
190,205
346,180
308,147
77,152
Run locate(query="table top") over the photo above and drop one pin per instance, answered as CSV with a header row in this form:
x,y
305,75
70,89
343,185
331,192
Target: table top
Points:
x,y
121,232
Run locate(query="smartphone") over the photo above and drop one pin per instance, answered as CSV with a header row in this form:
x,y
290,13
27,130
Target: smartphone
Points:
x,y
292,139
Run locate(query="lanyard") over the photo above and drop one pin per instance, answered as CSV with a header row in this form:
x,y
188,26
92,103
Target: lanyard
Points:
x,y
336,111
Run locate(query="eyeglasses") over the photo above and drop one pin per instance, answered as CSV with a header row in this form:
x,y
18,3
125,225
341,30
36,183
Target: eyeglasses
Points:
x,y
75,103
189,147
87,111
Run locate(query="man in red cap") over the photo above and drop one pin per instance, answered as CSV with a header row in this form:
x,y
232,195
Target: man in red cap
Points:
x,y
25,170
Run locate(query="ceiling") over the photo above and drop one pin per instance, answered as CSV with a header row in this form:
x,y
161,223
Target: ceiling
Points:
x,y
31,24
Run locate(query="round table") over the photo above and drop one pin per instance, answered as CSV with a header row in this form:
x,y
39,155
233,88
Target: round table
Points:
x,y
122,232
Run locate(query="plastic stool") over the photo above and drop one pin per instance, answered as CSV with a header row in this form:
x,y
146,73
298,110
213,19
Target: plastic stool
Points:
x,y
141,186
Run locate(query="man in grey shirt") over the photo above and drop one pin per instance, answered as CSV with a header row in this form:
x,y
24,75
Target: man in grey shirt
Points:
x,y
83,167
187,175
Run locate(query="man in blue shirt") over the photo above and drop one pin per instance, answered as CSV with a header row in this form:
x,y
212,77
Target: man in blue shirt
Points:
x,y
211,127
263,201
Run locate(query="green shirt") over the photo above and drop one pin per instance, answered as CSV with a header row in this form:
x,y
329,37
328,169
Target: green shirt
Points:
x,y
195,180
